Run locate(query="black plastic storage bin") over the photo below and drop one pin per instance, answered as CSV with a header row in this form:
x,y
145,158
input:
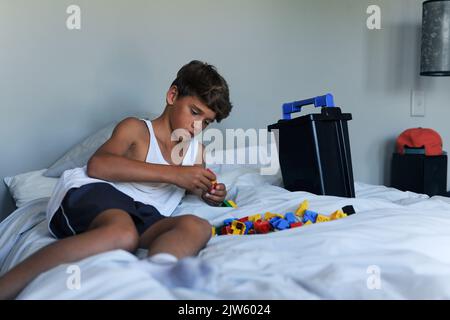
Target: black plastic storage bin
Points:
x,y
314,150
420,173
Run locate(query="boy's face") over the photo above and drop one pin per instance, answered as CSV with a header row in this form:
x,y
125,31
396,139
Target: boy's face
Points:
x,y
188,112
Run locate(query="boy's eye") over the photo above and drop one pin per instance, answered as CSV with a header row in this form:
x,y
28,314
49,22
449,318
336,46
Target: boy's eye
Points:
x,y
194,112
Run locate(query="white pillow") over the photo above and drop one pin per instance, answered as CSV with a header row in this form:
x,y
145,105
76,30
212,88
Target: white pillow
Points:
x,y
267,163
79,155
29,186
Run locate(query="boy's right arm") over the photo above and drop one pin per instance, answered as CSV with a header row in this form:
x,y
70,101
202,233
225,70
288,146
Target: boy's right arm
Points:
x,y
110,163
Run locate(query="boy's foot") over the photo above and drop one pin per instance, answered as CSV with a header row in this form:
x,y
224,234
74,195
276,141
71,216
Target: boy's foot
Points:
x,y
187,272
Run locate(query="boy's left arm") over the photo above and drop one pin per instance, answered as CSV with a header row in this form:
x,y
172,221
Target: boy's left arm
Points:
x,y
217,194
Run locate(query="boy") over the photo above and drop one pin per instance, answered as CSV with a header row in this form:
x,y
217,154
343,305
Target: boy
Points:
x,y
125,195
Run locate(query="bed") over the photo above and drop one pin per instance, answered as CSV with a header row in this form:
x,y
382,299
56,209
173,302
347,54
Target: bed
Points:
x,y
396,246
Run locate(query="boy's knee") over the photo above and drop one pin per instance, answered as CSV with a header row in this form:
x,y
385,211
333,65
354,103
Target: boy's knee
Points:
x,y
197,225
124,237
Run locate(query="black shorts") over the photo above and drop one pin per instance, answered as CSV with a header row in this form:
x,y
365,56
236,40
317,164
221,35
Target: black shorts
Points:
x,y
81,205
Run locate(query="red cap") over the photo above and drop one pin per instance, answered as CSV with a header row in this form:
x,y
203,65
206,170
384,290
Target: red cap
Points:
x,y
420,138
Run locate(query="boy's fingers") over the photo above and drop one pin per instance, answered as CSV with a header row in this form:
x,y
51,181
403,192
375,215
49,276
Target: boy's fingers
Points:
x,y
206,183
202,185
220,186
220,193
214,198
210,175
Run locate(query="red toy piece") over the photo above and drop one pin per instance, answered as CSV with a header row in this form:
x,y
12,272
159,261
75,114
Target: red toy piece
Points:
x,y
226,230
262,226
296,224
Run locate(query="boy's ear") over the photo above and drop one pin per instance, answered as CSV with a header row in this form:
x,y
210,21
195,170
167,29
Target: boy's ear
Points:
x,y
172,94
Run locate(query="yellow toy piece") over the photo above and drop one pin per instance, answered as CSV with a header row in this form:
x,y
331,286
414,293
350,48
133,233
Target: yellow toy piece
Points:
x,y
307,222
232,203
338,214
270,215
213,233
302,208
321,218
238,228
254,217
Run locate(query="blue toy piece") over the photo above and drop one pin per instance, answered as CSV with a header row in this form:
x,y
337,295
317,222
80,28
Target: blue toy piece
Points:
x,y
309,216
228,222
281,224
290,217
273,221
248,225
296,106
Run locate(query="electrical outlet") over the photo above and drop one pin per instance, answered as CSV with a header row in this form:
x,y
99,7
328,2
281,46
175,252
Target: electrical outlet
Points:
x,y
417,103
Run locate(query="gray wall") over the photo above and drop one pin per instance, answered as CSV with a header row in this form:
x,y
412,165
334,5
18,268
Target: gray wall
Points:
x,y
57,86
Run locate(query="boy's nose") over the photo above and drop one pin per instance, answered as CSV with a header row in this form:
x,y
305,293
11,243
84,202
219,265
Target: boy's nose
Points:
x,y
197,126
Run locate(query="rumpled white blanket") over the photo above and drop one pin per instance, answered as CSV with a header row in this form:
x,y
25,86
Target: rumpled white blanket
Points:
x,y
395,247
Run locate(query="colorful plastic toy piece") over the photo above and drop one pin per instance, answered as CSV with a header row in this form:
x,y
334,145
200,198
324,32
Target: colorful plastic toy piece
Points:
x,y
254,217
321,218
302,208
243,219
348,210
213,231
270,215
214,183
281,224
338,214
232,203
229,203
262,226
228,222
238,228
290,217
309,216
296,224
273,221
249,227
307,223
226,230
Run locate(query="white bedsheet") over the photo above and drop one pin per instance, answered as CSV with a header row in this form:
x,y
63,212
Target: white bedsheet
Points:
x,y
404,236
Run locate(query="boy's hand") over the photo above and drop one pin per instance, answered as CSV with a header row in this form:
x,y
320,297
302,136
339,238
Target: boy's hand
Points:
x,y
215,196
194,179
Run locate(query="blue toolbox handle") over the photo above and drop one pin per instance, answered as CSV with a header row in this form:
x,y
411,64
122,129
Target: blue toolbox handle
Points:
x,y
296,106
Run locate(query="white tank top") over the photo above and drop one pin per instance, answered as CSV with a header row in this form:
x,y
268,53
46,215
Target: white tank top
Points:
x,y
163,196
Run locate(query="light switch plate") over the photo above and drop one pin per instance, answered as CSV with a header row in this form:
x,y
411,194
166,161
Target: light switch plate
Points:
x,y
417,103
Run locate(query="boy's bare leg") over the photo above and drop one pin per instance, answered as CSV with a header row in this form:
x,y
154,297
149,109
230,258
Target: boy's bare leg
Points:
x,y
180,236
112,229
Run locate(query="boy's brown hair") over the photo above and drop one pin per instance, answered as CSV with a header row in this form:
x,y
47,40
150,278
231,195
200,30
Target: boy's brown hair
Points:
x,y
201,80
